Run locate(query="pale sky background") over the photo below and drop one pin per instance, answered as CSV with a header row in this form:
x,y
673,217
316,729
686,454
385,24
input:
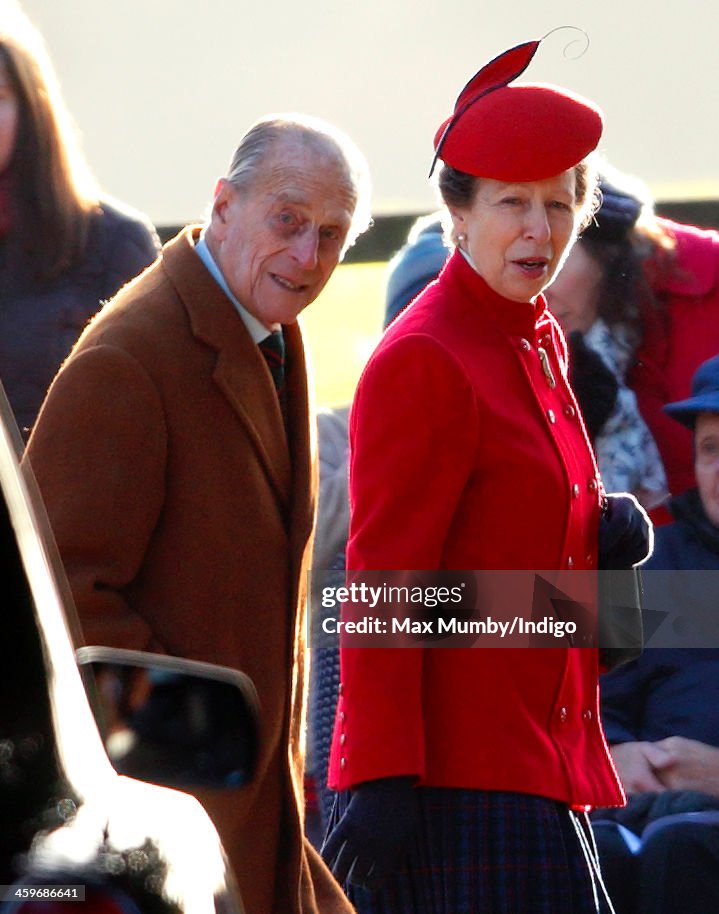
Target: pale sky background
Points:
x,y
163,89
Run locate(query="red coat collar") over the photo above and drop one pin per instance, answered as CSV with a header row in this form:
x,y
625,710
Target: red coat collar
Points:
x,y
514,318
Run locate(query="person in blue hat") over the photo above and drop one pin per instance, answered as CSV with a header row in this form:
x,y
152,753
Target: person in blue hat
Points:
x,y
416,264
661,712
693,540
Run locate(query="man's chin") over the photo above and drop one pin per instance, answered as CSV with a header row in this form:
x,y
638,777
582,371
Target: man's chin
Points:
x,y
287,312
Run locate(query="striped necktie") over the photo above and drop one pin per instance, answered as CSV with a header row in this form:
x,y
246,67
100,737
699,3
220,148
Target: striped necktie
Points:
x,y
273,349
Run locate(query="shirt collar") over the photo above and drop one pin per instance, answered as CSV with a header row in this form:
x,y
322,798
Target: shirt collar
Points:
x,y
255,328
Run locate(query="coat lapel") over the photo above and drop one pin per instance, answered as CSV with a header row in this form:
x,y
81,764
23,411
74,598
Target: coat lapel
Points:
x,y
240,371
302,438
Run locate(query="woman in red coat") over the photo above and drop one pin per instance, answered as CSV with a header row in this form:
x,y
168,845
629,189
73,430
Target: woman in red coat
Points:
x,y
460,768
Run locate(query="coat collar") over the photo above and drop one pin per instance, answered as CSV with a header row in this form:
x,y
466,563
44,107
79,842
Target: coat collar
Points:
x,y
240,370
513,318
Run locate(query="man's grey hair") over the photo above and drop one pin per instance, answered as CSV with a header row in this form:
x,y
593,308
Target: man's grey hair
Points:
x,y
255,146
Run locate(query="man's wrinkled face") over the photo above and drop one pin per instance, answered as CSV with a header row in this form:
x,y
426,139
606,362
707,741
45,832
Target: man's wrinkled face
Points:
x,y
278,239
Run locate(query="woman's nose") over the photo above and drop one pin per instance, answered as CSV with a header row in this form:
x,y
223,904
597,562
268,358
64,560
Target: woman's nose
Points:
x,y
537,223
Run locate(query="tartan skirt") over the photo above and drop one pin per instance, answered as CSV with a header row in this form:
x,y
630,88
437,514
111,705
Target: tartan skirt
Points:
x,y
489,852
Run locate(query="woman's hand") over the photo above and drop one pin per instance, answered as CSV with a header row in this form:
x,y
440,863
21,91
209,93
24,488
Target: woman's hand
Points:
x,y
370,839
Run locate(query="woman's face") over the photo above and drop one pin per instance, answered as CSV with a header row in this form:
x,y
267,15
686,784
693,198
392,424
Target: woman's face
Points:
x,y
706,463
8,118
517,234
574,293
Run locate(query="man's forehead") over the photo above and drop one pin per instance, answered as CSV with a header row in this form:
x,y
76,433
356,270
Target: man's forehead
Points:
x,y
310,182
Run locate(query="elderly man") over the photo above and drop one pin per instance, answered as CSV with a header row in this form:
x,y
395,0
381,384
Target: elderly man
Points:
x,y
175,457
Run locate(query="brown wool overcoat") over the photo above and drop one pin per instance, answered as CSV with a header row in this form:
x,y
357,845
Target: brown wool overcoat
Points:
x,y
183,513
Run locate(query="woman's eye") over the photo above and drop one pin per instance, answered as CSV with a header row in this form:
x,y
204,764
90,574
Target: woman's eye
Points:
x,y
331,234
286,218
561,205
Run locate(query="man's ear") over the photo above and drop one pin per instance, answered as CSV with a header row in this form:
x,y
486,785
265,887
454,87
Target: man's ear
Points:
x,y
225,194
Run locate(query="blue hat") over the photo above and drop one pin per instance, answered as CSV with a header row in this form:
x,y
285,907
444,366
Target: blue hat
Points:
x,y
617,214
704,398
416,265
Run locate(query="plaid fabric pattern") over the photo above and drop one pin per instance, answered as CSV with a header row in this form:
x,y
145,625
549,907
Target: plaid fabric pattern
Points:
x,y
482,852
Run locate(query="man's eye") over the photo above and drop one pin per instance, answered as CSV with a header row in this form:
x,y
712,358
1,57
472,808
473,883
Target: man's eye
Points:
x,y
561,205
286,218
331,234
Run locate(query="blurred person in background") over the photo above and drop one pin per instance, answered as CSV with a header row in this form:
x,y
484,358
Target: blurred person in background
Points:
x,y
599,297
660,854
460,770
659,297
64,249
681,263
416,264
328,570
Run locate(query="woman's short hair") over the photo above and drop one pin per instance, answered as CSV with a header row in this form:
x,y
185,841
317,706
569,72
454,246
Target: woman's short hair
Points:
x,y
255,145
53,190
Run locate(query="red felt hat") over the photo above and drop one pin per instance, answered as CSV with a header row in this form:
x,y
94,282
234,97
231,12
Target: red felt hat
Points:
x,y
516,133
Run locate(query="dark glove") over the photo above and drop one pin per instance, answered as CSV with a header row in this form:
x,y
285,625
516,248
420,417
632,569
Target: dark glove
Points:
x,y
371,838
594,384
625,533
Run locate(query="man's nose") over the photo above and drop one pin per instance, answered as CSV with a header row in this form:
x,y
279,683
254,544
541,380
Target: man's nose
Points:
x,y
305,248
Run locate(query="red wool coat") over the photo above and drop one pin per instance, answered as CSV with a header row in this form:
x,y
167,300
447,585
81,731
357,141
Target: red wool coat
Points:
x,y
183,515
463,456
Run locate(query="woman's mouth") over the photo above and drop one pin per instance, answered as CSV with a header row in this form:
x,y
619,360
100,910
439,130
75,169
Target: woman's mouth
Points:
x,y
532,267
